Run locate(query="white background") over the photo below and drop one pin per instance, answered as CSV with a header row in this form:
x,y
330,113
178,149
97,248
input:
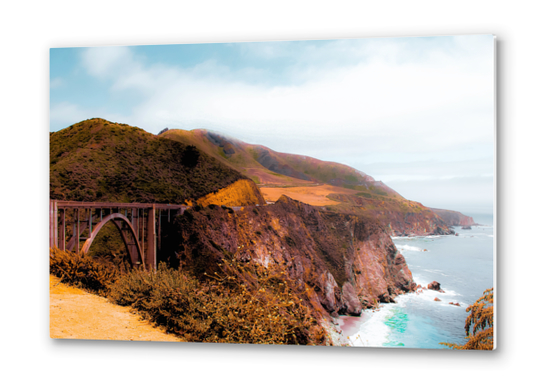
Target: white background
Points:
x,y
29,29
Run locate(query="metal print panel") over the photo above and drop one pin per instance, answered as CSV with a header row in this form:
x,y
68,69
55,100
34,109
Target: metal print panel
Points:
x,y
332,193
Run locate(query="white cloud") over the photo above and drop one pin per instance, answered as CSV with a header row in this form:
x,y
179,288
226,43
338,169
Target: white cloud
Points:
x,y
389,100
56,82
107,62
395,99
464,194
65,114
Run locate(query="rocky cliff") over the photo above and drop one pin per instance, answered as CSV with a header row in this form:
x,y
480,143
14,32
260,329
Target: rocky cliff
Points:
x,y
345,262
399,217
453,217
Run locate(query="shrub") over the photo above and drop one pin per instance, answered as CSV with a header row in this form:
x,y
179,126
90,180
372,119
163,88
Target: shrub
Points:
x,y
81,270
479,324
244,305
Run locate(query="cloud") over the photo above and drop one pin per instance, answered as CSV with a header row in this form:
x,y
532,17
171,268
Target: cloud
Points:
x,y
57,82
430,170
65,114
354,101
108,62
416,102
464,194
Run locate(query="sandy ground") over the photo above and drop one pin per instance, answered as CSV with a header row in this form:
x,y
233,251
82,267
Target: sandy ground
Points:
x,y
76,314
313,195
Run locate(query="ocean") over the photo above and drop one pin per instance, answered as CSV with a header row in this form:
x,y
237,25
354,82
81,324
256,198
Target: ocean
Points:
x,y
464,267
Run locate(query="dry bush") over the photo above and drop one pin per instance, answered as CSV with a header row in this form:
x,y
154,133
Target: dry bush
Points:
x,y
479,324
247,305
81,270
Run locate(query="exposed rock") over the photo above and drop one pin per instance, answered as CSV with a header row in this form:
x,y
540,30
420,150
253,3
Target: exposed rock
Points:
x,y
452,303
466,227
453,218
440,231
352,303
435,286
348,262
399,218
437,299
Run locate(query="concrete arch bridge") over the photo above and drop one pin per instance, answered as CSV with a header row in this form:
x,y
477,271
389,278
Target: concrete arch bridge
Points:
x,y
73,226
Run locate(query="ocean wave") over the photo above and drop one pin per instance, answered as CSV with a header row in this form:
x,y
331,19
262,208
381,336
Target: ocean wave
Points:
x,y
403,247
374,332
435,271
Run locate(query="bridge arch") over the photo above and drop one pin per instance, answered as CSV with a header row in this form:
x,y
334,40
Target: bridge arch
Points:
x,y
135,253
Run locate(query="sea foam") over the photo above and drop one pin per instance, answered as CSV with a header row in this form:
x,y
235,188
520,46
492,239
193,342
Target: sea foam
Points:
x,y
403,247
373,333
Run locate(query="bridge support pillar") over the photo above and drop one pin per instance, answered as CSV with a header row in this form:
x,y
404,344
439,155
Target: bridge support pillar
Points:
x,y
150,257
132,248
53,224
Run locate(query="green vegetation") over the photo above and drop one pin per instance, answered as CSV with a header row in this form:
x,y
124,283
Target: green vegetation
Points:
x,y
479,324
82,270
96,160
251,159
242,304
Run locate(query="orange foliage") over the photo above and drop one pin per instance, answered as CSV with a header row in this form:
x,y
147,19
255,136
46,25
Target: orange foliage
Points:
x,y
479,324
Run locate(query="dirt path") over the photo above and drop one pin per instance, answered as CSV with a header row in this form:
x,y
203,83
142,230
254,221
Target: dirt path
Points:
x,y
76,314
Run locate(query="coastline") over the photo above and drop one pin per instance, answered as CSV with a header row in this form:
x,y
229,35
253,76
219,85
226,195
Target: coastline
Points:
x,y
460,263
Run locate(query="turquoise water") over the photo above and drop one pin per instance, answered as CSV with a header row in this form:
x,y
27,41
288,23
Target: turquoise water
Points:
x,y
463,265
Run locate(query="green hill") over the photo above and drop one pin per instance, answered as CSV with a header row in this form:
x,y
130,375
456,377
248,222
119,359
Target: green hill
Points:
x,y
97,160
268,167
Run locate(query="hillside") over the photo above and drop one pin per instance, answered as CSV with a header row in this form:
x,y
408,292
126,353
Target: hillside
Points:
x,y
343,262
270,168
240,193
97,160
338,187
453,217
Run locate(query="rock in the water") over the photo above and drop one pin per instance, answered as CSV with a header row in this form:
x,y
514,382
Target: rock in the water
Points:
x,y
435,286
437,299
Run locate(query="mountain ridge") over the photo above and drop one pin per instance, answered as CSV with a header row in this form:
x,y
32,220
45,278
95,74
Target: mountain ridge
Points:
x,y
368,197
97,160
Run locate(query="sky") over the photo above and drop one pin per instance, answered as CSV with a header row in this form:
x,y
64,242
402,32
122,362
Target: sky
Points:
x,y
414,112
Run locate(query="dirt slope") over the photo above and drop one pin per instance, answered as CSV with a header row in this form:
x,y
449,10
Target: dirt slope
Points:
x,y
76,314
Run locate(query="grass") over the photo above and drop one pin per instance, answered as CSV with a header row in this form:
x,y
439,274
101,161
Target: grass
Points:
x,y
96,160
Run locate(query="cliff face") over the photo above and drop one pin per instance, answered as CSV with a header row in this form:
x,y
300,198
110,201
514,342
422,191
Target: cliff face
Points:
x,y
453,217
241,193
344,262
398,217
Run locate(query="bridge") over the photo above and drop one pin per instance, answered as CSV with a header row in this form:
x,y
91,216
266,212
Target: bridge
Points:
x,y
140,226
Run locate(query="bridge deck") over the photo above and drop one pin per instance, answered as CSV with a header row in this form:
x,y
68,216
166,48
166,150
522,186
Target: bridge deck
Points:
x,y
97,205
